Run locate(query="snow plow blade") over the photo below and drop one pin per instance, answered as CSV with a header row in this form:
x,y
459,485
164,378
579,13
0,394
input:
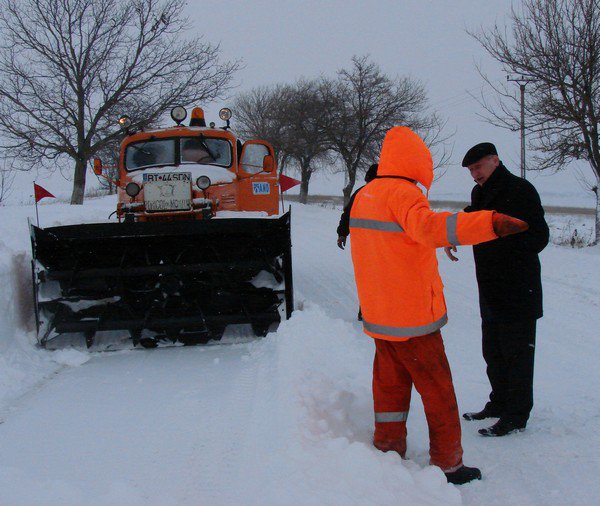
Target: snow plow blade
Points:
x,y
184,281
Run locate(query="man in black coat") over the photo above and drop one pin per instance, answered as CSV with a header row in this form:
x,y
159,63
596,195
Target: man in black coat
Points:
x,y
510,289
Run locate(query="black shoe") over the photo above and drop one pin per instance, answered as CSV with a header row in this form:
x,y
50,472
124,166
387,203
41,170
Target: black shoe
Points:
x,y
463,475
481,415
502,428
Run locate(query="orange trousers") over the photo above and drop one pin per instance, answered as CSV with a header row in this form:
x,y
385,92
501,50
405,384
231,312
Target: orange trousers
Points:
x,y
420,361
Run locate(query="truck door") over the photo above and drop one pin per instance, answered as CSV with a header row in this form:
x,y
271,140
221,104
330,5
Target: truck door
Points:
x,y
258,188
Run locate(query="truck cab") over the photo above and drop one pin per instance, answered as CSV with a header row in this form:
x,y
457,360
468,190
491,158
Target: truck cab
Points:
x,y
192,172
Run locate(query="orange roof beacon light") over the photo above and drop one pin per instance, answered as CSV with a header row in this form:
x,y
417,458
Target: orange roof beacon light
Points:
x,y
178,114
197,117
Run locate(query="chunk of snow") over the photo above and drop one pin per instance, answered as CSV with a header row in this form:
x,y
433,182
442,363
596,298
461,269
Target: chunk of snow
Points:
x,y
70,357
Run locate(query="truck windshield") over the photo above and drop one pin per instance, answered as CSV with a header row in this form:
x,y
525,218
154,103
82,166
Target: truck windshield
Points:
x,y
150,153
205,150
159,152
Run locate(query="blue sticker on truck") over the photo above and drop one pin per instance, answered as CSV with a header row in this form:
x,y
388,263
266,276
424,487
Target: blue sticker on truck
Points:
x,y
261,188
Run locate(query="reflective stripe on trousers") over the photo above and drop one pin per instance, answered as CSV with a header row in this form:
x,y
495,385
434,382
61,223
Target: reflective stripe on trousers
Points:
x,y
420,330
391,416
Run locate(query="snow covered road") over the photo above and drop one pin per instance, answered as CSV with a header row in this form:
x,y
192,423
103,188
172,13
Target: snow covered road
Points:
x,y
288,419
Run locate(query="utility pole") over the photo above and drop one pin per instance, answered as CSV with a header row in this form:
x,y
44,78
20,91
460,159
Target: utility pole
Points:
x,y
522,83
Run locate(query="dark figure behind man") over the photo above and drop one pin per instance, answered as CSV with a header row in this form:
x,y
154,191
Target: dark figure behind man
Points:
x,y
510,289
344,226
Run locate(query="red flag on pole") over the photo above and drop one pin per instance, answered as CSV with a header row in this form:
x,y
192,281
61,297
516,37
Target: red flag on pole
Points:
x,y
40,193
285,182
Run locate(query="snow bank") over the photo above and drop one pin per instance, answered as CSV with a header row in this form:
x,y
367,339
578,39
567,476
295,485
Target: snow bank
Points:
x,y
324,377
22,364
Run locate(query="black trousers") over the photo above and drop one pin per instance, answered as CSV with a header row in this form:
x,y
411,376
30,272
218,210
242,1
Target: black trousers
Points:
x,y
509,350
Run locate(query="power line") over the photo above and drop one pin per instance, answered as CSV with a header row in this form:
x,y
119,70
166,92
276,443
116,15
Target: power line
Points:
x,y
449,105
458,99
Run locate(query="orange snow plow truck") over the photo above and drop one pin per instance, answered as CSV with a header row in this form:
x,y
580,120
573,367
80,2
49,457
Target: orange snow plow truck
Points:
x,y
199,244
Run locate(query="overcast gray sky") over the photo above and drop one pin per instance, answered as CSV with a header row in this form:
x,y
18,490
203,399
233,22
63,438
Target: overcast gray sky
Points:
x,y
282,40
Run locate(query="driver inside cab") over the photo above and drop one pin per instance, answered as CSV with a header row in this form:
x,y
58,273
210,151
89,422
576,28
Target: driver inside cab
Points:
x,y
194,151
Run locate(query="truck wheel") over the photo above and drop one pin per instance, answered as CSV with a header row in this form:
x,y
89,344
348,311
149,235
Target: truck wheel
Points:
x,y
217,331
261,329
148,342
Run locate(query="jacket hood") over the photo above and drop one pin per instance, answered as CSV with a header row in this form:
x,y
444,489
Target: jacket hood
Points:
x,y
405,154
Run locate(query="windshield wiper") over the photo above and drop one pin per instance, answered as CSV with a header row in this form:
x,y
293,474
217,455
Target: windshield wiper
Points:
x,y
205,146
141,148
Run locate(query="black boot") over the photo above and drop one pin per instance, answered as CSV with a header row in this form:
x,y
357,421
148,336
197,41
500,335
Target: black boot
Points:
x,y
482,415
463,475
501,428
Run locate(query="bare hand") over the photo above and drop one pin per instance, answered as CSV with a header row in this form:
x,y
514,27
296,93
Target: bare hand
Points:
x,y
341,242
448,250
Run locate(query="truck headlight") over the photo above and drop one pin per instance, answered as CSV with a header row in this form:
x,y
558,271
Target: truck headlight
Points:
x,y
225,114
124,122
203,182
178,114
132,189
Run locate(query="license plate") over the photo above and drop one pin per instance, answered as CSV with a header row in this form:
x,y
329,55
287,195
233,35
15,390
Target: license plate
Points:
x,y
169,191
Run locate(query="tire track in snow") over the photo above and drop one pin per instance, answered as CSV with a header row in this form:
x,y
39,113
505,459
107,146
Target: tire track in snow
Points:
x,y
223,431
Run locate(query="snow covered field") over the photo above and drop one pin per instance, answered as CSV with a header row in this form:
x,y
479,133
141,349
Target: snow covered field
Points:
x,y
287,419
562,189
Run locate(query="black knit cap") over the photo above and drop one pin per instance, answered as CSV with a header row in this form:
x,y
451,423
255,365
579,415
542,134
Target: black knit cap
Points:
x,y
477,152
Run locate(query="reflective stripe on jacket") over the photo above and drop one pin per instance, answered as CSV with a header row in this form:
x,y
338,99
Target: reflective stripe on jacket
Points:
x,y
394,235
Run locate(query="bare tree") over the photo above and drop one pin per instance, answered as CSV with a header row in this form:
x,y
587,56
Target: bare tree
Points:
x,y
312,121
555,45
258,115
288,116
305,139
109,154
68,68
361,105
7,178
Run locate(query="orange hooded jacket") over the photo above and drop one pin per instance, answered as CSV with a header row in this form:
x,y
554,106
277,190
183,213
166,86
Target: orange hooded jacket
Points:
x,y
394,235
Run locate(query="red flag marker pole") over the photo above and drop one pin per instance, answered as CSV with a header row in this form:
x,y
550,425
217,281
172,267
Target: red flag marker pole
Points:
x,y
285,183
37,216
38,194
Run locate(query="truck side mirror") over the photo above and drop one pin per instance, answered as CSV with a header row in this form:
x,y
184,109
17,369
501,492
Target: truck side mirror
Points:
x,y
268,163
97,166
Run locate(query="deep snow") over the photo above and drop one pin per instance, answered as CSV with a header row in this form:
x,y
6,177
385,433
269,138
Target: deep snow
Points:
x,y
286,419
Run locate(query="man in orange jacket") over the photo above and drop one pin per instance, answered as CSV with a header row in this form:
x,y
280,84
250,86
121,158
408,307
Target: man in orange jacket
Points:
x,y
394,236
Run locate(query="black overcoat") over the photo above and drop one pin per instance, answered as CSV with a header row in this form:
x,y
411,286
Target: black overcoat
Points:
x,y
508,269
344,225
